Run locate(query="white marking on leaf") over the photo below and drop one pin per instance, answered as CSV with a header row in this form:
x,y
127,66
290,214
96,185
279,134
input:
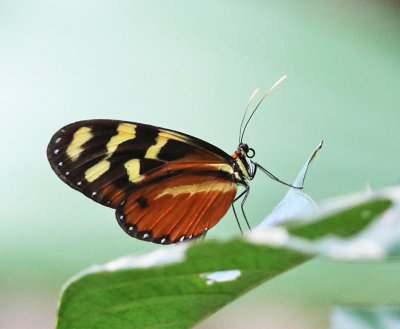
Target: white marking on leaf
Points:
x,y
221,276
274,236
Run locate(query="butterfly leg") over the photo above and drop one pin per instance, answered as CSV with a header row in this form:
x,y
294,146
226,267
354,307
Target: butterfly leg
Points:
x,y
245,194
242,205
237,219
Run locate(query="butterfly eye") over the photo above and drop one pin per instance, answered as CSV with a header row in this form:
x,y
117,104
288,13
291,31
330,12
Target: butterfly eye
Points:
x,y
244,147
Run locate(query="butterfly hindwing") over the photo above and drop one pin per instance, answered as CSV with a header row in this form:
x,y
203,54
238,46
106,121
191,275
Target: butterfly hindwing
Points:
x,y
179,207
127,165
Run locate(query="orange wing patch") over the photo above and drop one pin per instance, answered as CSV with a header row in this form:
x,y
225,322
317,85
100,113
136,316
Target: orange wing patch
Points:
x,y
177,209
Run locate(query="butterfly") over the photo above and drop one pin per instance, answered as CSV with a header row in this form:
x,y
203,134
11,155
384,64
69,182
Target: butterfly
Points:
x,y
166,186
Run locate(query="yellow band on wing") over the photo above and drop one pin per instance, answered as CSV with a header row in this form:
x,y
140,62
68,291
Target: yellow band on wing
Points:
x,y
153,150
133,169
222,167
126,131
81,136
207,186
97,170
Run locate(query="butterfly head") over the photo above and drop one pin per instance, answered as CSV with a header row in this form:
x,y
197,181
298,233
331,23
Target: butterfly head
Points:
x,y
242,161
246,151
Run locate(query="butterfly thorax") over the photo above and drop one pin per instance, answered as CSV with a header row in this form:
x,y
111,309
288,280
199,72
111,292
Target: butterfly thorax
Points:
x,y
241,164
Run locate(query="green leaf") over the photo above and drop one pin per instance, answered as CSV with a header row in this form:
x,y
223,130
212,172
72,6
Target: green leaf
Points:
x,y
361,226
172,296
379,317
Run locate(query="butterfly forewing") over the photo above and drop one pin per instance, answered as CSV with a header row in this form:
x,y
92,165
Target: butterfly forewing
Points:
x,y
116,163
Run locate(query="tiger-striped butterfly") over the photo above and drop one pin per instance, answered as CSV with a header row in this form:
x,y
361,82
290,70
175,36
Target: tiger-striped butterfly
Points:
x,y
166,186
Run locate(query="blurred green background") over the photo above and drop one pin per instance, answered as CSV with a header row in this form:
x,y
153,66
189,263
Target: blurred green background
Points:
x,y
191,66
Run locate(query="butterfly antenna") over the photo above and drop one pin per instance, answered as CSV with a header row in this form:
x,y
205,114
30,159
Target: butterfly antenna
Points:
x,y
245,111
258,104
